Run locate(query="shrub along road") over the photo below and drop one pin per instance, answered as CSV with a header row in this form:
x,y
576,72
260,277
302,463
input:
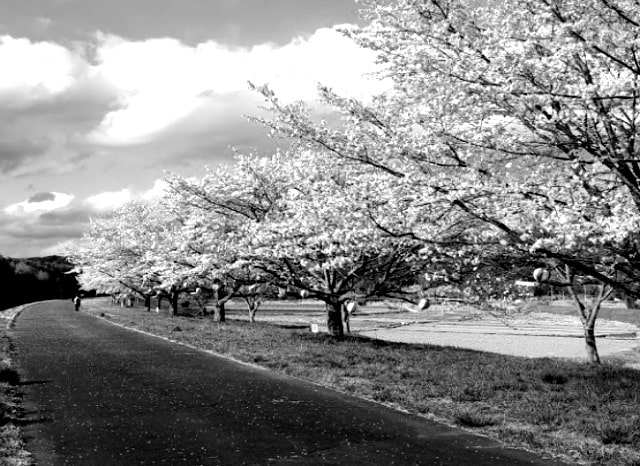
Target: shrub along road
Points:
x,y
106,395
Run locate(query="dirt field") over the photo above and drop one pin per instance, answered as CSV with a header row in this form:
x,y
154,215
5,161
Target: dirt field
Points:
x,y
543,330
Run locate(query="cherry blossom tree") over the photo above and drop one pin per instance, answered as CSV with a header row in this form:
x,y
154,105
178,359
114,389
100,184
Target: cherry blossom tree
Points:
x,y
215,208
293,222
323,242
516,122
127,251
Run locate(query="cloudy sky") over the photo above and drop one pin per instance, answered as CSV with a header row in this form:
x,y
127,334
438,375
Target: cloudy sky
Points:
x,y
99,98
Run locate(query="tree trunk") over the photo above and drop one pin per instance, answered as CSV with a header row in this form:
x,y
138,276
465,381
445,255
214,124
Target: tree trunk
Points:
x,y
345,318
174,303
253,304
334,320
630,302
588,313
147,302
159,305
590,340
219,315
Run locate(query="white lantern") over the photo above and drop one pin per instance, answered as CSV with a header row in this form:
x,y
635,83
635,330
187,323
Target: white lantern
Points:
x,y
423,304
282,292
304,293
541,275
352,307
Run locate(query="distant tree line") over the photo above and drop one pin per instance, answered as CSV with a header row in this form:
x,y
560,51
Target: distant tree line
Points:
x,y
35,279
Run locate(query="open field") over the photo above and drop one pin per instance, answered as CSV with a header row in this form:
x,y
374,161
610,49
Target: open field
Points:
x,y
542,330
561,407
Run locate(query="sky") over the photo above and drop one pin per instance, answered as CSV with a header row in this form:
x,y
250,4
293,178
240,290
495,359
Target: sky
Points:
x,y
99,99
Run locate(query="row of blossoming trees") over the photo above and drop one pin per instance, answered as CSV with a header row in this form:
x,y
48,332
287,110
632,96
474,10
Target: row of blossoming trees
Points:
x,y
509,134
288,224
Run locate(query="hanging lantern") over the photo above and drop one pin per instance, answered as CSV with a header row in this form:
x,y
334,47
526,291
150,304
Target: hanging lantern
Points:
x,y
352,307
427,277
541,275
282,292
304,293
423,304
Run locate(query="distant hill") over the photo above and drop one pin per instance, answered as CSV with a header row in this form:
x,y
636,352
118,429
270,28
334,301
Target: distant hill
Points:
x,y
35,279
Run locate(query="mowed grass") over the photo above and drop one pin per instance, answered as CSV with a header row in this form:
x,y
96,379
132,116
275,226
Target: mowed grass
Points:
x,y
582,413
12,452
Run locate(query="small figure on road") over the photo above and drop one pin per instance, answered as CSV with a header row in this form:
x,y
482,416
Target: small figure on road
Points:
x,y
76,302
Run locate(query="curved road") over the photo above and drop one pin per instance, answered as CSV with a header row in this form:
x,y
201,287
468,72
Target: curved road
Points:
x,y
98,394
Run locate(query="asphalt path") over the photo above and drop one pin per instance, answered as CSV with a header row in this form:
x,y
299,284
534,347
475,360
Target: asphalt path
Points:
x,y
98,394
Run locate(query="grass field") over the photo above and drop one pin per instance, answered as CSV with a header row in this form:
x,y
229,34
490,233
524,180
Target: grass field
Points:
x,y
12,452
584,414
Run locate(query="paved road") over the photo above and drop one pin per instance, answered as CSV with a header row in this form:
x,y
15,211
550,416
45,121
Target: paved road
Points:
x,y
102,395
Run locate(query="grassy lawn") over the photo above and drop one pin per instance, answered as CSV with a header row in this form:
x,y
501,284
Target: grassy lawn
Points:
x,y
12,452
585,414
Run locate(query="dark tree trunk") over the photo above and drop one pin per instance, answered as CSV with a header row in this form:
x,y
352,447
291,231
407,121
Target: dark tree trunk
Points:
x,y
630,302
147,302
220,298
590,341
334,320
159,306
174,303
220,315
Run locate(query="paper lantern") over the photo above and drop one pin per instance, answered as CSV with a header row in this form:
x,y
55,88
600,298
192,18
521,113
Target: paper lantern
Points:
x,y
282,292
541,275
352,307
423,304
304,293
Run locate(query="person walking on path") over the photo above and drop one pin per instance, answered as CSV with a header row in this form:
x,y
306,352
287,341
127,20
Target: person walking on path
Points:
x,y
76,302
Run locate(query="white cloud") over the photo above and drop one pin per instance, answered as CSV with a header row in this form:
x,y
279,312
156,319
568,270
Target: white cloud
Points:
x,y
48,221
157,83
37,206
109,200
162,81
34,70
157,191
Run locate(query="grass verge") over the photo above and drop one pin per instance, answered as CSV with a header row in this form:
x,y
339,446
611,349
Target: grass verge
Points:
x,y
585,414
12,452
